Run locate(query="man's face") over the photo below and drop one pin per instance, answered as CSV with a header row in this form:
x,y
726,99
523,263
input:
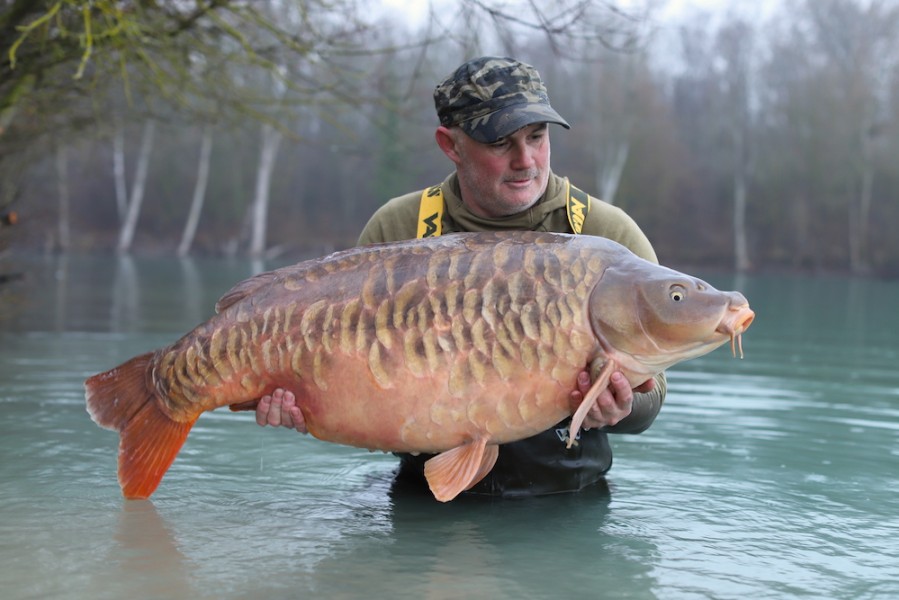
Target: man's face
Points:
x,y
506,177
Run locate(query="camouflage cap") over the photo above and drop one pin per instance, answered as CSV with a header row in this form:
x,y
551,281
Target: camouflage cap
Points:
x,y
490,98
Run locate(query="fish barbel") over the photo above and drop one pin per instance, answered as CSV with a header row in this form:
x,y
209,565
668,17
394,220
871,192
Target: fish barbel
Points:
x,y
449,345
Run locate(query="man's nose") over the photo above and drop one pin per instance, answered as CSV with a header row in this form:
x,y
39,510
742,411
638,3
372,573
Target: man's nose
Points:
x,y
522,157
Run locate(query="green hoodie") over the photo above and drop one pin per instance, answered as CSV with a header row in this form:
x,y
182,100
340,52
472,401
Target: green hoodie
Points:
x,y
398,218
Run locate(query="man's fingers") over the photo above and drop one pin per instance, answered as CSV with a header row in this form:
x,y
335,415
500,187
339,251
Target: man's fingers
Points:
x,y
274,412
613,404
280,410
293,416
288,401
583,382
622,388
262,410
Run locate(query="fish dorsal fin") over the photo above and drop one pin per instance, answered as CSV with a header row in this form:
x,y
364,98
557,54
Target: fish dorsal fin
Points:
x,y
244,289
601,383
452,472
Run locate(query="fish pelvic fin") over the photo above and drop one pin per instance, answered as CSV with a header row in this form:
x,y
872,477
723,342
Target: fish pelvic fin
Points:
x,y
241,406
601,383
452,472
121,399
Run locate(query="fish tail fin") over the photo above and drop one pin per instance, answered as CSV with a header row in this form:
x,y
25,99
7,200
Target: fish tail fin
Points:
x,y
121,399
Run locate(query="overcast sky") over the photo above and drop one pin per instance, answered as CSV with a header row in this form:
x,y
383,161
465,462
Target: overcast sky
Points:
x,y
416,11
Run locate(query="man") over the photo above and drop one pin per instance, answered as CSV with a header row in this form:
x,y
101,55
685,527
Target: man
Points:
x,y
494,115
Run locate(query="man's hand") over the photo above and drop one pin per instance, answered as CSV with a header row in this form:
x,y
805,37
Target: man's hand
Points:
x,y
613,404
280,410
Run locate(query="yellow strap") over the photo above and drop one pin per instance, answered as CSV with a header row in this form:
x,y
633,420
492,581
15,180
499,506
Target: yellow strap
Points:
x,y
577,206
430,212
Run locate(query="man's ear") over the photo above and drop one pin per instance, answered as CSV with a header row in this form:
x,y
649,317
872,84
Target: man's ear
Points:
x,y
447,142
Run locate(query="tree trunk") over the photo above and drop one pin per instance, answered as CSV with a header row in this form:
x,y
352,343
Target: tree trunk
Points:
x,y
126,236
854,239
804,249
864,213
118,170
610,174
741,252
196,205
62,184
860,213
742,169
271,140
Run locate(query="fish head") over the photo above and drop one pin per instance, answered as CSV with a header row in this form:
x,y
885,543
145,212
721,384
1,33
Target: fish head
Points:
x,y
648,317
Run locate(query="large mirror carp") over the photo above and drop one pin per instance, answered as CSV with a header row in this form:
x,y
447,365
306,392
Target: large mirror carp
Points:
x,y
449,346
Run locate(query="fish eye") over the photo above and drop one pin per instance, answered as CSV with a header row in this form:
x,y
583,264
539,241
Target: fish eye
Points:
x,y
677,293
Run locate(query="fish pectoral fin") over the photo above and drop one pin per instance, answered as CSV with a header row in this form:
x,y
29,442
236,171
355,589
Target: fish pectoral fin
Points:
x,y
452,472
491,453
601,383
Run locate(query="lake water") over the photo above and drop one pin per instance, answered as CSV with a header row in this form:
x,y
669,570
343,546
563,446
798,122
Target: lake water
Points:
x,y
771,477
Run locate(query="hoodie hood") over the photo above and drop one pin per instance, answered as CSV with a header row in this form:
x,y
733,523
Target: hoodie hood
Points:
x,y
532,219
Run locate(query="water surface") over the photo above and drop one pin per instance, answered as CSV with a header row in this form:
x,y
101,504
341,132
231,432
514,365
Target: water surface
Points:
x,y
774,476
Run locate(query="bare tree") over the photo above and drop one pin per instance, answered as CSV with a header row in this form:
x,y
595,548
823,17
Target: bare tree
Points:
x,y
860,41
87,59
735,42
129,225
118,169
271,141
199,195
612,109
567,25
62,60
62,186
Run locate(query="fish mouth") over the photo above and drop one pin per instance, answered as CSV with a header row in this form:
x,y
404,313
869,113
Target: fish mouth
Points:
x,y
734,323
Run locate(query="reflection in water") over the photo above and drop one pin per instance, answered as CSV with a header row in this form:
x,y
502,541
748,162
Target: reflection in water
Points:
x,y
193,291
147,555
126,292
377,538
481,547
119,293
62,281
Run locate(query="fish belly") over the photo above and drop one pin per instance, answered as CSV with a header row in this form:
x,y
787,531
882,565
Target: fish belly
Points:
x,y
445,409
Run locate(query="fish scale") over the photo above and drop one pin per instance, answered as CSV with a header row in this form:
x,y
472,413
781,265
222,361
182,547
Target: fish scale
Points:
x,y
450,345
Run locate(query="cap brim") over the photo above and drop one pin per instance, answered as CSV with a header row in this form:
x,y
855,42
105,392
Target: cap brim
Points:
x,y
506,121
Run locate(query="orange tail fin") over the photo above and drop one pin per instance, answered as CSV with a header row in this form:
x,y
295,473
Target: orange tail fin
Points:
x,y
149,440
